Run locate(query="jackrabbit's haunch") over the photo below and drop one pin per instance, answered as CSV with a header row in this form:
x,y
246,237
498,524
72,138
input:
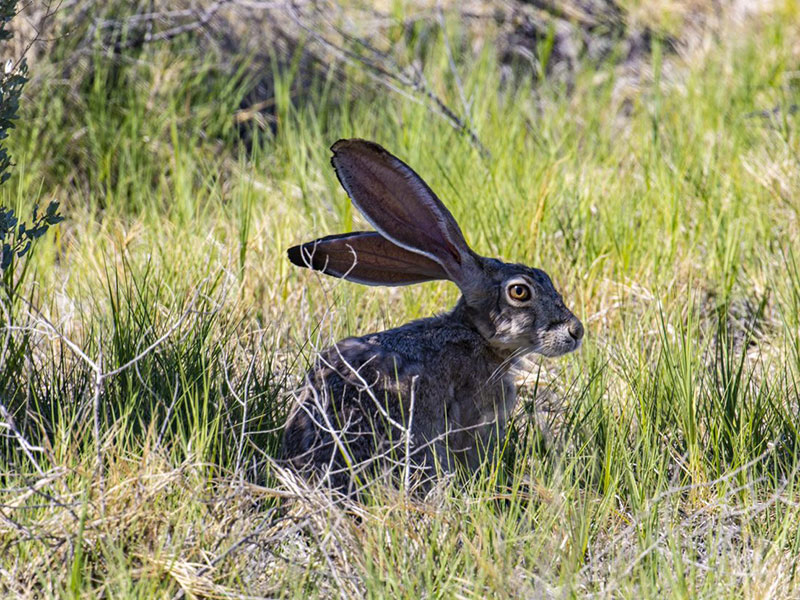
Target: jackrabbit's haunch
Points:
x,y
434,392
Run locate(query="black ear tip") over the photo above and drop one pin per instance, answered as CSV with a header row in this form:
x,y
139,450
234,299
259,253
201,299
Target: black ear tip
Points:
x,y
296,256
345,143
337,145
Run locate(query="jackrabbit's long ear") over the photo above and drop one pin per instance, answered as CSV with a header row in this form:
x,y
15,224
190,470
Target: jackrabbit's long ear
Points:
x,y
366,257
401,206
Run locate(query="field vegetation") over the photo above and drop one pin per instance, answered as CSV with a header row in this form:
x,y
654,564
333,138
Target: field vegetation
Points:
x,y
149,343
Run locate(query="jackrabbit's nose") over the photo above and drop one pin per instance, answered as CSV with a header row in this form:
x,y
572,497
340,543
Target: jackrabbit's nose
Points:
x,y
576,329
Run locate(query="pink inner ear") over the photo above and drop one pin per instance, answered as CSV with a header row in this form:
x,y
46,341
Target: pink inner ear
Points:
x,y
397,202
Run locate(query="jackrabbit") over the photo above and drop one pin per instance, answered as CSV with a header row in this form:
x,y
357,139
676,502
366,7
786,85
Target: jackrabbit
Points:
x,y
434,392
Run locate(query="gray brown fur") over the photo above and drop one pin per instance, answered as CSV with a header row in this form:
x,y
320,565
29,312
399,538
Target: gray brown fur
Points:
x,y
355,417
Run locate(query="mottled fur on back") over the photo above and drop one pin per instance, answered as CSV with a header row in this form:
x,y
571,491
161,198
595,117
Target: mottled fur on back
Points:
x,y
435,392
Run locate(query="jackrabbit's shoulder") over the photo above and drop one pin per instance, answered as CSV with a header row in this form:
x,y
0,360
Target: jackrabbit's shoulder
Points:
x,y
419,340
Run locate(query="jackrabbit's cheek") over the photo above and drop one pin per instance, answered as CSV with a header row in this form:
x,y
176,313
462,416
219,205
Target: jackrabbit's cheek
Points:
x,y
515,331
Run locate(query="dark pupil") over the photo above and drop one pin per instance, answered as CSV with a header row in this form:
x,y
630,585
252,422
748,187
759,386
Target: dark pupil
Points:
x,y
518,291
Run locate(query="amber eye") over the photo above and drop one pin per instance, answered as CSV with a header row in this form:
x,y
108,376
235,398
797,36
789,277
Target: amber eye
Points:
x,y
519,292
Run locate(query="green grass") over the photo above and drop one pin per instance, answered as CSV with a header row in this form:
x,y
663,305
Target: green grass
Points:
x,y
659,461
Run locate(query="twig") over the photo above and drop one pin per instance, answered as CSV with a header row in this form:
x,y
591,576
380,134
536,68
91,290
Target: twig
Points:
x,y
98,392
100,377
27,448
385,76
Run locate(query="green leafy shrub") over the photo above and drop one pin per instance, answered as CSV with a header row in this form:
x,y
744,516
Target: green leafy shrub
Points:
x,y
12,80
16,238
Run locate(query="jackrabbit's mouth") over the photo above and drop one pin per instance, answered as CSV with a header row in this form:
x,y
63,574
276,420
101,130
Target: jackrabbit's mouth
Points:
x,y
550,344
557,344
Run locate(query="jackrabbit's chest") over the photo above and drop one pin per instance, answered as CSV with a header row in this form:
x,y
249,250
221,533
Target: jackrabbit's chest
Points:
x,y
471,406
447,392
477,416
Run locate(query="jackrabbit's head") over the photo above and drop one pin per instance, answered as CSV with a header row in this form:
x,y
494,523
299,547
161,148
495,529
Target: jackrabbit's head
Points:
x,y
515,307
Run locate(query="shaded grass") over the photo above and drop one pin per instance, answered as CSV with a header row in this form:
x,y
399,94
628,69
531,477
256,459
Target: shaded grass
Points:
x,y
659,460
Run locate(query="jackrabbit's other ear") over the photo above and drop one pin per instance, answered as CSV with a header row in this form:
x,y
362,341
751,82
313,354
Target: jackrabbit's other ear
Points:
x,y
401,206
366,257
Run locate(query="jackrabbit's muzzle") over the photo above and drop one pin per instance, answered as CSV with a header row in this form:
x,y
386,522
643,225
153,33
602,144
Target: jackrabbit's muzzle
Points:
x,y
561,338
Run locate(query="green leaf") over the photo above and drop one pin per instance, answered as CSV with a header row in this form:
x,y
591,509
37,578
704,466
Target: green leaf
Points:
x,y
5,257
25,249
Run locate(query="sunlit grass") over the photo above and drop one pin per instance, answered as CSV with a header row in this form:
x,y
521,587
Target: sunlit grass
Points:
x,y
660,460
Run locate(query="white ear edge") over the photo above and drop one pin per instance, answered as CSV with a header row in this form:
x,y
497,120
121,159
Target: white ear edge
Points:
x,y
422,189
390,237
